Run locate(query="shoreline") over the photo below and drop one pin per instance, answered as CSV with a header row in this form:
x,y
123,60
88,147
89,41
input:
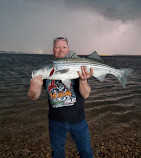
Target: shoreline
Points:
x,y
24,134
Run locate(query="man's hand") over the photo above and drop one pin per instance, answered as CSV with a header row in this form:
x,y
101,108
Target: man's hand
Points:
x,y
84,73
84,88
37,81
35,87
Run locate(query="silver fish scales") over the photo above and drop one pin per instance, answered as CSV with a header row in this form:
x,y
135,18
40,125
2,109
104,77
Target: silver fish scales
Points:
x,y
67,68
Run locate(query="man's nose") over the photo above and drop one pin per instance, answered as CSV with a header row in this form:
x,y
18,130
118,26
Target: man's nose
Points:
x,y
61,49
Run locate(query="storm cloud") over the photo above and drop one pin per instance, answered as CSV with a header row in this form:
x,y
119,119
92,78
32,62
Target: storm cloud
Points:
x,y
108,26
123,10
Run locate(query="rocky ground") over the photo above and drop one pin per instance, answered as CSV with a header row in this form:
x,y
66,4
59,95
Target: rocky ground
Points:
x,y
24,134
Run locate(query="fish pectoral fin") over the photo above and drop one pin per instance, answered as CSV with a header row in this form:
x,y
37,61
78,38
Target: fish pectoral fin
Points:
x,y
101,77
67,83
62,71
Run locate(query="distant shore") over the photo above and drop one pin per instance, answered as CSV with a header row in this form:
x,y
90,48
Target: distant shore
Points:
x,y
34,53
24,134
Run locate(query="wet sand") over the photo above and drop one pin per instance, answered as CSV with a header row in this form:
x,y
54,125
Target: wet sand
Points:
x,y
24,134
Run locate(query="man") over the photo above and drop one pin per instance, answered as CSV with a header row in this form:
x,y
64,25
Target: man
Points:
x,y
66,106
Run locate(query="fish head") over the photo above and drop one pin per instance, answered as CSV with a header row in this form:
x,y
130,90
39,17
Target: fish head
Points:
x,y
44,71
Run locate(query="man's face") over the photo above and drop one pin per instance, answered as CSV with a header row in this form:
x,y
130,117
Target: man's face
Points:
x,y
60,49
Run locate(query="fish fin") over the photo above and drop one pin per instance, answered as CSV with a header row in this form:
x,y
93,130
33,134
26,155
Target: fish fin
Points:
x,y
95,56
62,71
123,78
71,54
100,77
67,83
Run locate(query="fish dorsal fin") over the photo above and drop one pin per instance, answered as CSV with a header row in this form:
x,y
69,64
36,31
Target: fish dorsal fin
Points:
x,y
71,54
95,56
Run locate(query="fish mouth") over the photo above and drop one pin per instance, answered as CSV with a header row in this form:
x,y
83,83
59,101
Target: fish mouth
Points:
x,y
33,73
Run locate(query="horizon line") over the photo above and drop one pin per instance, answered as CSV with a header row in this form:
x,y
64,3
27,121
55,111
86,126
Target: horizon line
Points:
x,y
14,52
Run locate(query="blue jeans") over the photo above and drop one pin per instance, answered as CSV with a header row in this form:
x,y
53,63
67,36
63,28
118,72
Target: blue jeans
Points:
x,y
79,133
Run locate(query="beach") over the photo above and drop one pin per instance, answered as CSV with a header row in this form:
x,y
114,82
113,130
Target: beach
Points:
x,y
24,134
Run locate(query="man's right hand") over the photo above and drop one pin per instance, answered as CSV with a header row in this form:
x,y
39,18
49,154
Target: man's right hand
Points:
x,y
35,87
36,82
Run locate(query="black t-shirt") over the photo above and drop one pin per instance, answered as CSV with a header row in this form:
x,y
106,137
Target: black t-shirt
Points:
x,y
65,104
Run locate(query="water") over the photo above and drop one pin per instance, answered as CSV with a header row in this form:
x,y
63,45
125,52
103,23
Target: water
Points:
x,y
107,99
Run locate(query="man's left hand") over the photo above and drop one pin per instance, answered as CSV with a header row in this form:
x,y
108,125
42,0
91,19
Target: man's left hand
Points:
x,y
84,75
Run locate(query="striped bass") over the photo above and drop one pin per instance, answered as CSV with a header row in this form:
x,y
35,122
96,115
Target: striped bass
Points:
x,y
66,69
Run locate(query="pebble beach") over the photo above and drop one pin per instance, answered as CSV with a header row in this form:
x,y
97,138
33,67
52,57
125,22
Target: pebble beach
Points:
x,y
24,134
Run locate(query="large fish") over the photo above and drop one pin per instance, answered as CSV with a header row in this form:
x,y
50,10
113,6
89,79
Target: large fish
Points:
x,y
66,69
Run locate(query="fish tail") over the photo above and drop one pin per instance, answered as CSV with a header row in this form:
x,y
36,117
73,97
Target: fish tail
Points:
x,y
122,78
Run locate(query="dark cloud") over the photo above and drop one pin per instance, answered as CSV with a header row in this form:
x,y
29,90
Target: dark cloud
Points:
x,y
112,9
123,10
111,26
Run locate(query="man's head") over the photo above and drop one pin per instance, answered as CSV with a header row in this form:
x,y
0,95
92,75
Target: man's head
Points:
x,y
60,47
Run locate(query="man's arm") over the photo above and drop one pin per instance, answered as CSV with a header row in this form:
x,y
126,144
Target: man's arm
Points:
x,y
84,87
35,88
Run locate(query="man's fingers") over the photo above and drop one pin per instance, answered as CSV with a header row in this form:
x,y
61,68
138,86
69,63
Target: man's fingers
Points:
x,y
91,71
83,71
39,77
79,74
84,74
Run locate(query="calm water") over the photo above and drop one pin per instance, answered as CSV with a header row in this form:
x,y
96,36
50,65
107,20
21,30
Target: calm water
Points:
x,y
106,98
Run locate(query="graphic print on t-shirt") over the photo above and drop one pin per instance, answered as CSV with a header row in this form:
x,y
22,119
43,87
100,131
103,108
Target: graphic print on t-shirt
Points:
x,y
59,94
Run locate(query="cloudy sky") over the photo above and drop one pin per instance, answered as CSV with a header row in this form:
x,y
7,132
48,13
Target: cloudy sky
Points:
x,y
107,26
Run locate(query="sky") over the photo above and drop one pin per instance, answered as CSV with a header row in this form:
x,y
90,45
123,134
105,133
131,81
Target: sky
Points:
x,y
106,26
